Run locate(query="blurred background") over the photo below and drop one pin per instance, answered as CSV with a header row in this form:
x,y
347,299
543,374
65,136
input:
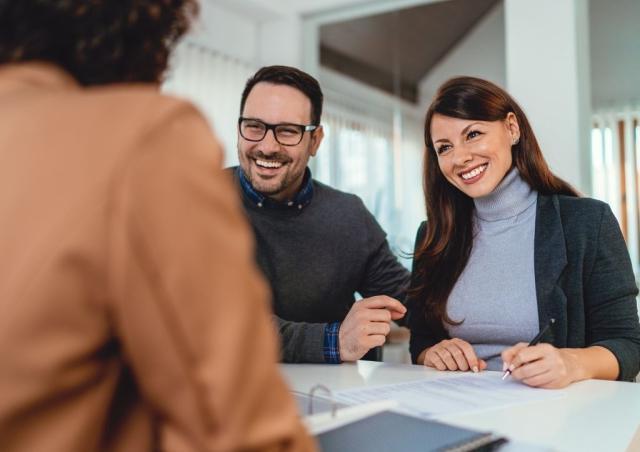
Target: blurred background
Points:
x,y
573,65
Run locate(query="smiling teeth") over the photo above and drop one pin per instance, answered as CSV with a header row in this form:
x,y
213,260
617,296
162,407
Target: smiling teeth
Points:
x,y
474,172
266,164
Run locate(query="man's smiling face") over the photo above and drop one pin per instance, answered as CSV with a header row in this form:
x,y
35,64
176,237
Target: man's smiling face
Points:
x,y
273,169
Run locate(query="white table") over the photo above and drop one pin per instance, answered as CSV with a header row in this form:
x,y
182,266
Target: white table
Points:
x,y
599,416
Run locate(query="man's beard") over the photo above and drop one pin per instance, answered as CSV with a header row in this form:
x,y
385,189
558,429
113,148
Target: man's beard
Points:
x,y
267,187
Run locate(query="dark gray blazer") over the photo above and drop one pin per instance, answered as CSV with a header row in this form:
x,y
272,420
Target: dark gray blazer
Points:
x,y
584,280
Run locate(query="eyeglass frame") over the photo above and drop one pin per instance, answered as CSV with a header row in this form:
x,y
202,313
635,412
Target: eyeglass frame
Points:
x,y
304,128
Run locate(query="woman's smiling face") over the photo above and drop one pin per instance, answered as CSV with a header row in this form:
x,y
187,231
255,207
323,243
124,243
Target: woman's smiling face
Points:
x,y
473,155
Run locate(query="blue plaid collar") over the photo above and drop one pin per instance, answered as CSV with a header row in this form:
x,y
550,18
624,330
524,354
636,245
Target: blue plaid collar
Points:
x,y
300,201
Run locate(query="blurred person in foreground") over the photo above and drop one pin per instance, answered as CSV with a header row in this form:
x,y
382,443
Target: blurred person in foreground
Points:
x,y
131,315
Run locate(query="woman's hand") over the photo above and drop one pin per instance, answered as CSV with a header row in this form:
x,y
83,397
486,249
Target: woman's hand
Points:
x,y
453,354
542,365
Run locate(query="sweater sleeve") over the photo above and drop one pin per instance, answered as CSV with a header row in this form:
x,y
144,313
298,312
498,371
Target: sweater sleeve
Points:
x,y
304,342
610,304
384,274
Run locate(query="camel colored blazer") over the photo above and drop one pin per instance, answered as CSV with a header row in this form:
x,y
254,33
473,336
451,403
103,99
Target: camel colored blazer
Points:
x,y
131,315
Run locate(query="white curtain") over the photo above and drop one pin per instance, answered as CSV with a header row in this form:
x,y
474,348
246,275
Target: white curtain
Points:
x,y
615,152
214,83
358,156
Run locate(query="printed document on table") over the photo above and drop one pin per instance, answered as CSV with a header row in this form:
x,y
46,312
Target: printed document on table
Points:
x,y
450,395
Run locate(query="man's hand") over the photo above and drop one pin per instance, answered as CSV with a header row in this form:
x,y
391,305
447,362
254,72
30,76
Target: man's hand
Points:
x,y
367,324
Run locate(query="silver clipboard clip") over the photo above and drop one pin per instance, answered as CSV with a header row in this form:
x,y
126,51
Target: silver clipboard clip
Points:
x,y
332,401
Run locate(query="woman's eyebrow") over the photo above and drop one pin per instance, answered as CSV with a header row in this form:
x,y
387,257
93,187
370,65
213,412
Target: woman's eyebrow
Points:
x,y
463,132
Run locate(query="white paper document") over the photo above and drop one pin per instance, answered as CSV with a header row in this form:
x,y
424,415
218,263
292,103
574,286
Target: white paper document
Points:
x,y
450,395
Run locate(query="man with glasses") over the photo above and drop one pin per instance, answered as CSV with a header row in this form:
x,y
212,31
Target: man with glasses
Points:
x,y
316,245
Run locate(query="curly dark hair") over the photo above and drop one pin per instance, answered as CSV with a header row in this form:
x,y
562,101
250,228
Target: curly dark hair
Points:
x,y
96,41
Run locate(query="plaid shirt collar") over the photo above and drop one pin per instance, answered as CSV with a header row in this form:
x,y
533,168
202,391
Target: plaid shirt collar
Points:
x,y
299,202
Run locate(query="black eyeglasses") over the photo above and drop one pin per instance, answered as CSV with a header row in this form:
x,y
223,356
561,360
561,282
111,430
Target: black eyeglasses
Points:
x,y
286,134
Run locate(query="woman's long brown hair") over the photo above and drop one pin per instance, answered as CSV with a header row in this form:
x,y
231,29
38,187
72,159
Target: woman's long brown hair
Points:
x,y
443,254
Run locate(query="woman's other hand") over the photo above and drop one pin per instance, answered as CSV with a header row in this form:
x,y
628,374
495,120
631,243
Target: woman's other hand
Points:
x,y
452,354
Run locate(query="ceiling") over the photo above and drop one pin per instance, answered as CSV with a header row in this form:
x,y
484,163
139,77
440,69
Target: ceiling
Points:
x,y
406,43
270,9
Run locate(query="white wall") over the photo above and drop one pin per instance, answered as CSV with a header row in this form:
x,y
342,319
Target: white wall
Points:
x,y
280,41
615,53
548,74
481,53
257,32
315,6
226,31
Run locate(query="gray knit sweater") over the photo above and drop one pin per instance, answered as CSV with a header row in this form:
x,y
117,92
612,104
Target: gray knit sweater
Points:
x,y
316,258
496,294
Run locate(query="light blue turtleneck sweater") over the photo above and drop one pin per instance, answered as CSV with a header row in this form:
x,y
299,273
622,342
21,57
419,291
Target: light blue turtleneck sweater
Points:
x,y
496,293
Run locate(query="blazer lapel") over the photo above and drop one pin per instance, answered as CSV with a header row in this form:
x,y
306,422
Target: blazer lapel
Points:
x,y
550,259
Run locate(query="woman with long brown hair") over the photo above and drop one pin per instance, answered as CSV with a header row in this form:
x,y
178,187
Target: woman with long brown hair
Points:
x,y
509,248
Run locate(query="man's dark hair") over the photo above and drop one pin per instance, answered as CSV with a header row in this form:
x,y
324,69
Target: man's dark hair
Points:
x,y
97,41
290,76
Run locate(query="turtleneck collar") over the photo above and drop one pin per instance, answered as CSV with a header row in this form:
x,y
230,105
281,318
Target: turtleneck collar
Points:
x,y
511,197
